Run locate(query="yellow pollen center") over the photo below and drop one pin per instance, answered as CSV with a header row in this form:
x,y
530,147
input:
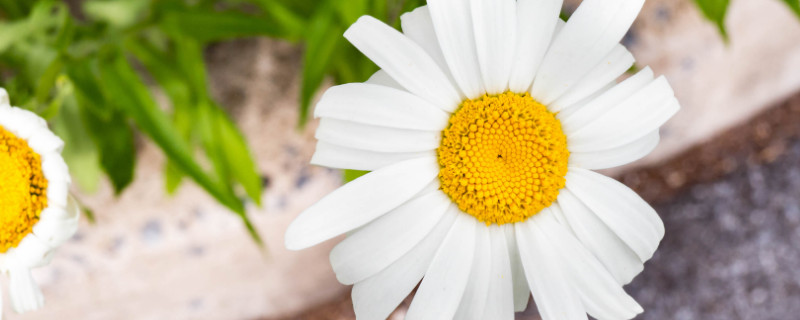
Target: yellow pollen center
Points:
x,y
503,158
22,189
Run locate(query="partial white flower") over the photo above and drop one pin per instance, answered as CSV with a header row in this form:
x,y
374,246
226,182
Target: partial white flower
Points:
x,y
481,131
36,213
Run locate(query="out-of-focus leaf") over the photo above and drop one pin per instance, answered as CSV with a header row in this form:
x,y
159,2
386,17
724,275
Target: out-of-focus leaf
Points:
x,y
214,26
79,151
237,154
193,108
715,10
115,141
48,80
118,13
794,5
15,9
349,11
133,98
108,129
292,24
227,148
350,175
321,42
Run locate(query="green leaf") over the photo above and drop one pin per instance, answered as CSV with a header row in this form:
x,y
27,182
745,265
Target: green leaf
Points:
x,y
79,151
115,141
109,130
794,5
293,25
133,98
118,13
715,10
213,26
350,175
321,42
236,154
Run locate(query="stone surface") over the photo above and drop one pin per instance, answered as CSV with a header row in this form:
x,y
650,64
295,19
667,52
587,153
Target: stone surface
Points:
x,y
730,250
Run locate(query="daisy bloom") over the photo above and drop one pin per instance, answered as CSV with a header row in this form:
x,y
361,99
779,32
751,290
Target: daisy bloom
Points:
x,y
36,215
481,131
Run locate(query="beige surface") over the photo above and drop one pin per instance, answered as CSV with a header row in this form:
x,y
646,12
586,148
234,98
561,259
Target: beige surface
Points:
x,y
154,257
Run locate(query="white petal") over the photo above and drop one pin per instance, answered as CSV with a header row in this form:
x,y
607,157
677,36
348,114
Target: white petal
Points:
x,y
600,294
418,26
57,225
380,106
473,302
360,201
522,294
495,26
610,68
447,276
57,173
30,252
500,302
621,209
334,156
616,156
405,61
553,294
375,138
589,35
1,291
44,141
578,116
382,78
383,241
22,123
637,116
24,292
598,238
452,21
536,23
377,296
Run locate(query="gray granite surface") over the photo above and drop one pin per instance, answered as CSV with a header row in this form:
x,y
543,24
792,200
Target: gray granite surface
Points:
x,y
731,250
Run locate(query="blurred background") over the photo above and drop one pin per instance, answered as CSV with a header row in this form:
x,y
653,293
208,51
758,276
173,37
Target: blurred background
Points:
x,y
188,137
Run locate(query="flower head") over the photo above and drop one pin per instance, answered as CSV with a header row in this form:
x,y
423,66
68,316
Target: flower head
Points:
x,y
36,213
481,131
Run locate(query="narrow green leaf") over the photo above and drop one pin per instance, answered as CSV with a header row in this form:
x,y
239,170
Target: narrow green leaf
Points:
x,y
293,25
214,26
79,152
715,10
132,96
115,141
321,42
794,5
237,154
109,129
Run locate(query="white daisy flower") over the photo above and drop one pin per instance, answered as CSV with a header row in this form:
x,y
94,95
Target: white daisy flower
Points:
x,y
36,213
481,131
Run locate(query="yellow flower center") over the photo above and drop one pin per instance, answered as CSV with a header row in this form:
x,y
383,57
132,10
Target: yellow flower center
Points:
x,y
23,189
503,158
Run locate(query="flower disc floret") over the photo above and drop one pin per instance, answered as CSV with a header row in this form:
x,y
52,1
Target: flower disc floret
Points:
x,y
23,189
503,158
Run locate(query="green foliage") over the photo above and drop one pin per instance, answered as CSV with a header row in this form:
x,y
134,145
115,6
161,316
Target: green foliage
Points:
x,y
89,70
715,10
90,78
